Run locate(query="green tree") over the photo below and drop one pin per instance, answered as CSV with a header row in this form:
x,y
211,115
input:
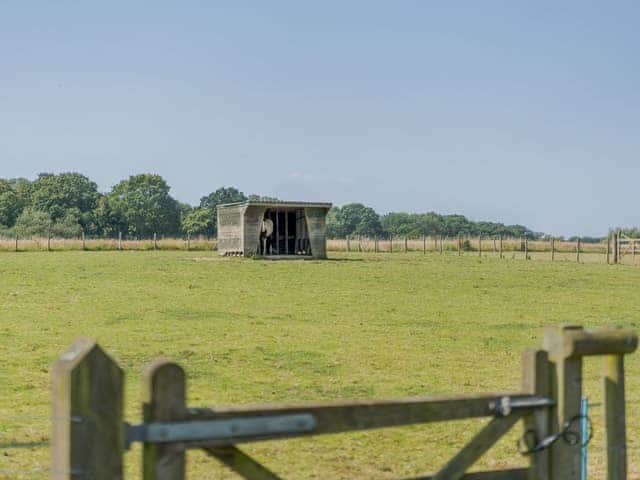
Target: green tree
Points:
x,y
140,206
33,223
353,219
66,194
198,222
220,196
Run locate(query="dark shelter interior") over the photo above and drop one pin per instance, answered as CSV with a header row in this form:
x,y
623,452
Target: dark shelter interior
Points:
x,y
284,232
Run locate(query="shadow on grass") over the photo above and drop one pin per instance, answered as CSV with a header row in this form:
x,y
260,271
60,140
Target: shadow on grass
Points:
x,y
23,444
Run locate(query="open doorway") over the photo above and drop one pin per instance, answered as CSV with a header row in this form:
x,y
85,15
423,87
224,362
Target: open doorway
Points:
x,y
284,232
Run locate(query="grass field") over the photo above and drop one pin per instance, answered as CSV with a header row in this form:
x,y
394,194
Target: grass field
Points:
x,y
248,331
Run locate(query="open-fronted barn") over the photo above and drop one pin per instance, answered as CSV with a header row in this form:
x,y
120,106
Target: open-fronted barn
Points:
x,y
273,229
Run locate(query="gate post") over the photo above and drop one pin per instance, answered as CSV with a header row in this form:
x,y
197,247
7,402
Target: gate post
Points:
x,y
87,438
164,401
615,419
566,389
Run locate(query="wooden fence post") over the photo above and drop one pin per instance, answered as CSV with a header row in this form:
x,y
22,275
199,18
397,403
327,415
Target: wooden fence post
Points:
x,y
578,251
84,245
553,248
375,244
500,246
608,247
188,242
406,244
49,241
87,439
567,392
155,242
480,245
535,381
359,243
164,401
526,248
618,247
441,246
119,240
348,244
615,418
459,245
16,243
390,243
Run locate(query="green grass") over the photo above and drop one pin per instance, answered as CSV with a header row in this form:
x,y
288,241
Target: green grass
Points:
x,y
248,331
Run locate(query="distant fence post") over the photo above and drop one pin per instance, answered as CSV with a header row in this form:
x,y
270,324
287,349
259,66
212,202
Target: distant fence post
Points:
x,y
459,245
16,243
526,248
441,246
578,251
348,244
406,243
500,245
391,243
49,241
375,244
608,247
188,242
479,245
553,248
155,242
119,240
359,242
87,439
84,245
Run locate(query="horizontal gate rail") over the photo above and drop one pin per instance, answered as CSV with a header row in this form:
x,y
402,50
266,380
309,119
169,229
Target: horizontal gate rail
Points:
x,y
325,418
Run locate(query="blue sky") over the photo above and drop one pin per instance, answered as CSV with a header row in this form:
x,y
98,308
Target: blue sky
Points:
x,y
521,112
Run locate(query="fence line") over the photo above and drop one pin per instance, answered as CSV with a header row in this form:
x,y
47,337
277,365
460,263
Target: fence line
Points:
x,y
617,248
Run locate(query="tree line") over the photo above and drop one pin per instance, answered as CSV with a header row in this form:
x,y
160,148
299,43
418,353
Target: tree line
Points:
x,y
67,204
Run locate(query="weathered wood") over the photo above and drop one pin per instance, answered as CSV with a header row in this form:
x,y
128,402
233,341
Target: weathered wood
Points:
x,y
576,342
500,246
526,248
481,442
16,243
578,251
241,463
84,245
441,246
164,401
608,248
553,249
406,243
87,438
535,380
615,418
119,240
566,389
459,245
337,417
480,245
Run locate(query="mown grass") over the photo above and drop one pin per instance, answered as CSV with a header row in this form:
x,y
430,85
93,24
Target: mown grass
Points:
x,y
249,331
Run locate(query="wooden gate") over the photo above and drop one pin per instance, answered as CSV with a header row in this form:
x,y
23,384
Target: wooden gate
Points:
x,y
90,438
